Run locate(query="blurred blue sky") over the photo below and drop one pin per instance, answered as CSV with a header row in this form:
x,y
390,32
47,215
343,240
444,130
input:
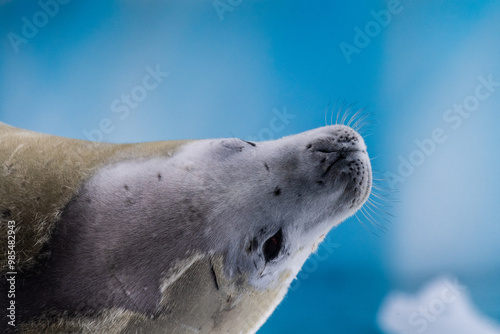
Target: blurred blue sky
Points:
x,y
231,72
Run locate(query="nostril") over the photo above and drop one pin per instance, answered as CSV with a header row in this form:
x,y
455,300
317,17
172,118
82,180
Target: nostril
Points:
x,y
347,139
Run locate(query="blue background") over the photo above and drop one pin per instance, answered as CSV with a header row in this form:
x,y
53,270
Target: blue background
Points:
x,y
231,71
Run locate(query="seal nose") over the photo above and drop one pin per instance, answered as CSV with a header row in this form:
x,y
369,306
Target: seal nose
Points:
x,y
338,139
338,150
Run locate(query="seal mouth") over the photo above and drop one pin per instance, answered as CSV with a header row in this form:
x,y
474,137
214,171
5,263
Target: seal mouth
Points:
x,y
340,158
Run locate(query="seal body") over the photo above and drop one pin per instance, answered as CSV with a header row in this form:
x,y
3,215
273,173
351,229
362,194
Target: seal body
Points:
x,y
204,239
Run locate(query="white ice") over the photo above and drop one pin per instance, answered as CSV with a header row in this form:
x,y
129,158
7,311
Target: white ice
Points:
x,y
441,307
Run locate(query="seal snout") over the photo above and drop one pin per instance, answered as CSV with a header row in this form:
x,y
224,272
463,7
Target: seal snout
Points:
x,y
340,156
336,145
337,139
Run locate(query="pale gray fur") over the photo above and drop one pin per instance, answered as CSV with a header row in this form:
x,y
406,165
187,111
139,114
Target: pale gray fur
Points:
x,y
226,185
133,220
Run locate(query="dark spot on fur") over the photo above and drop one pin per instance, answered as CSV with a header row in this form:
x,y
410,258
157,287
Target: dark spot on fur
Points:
x,y
309,146
320,182
214,276
299,195
6,213
252,245
126,187
266,165
250,143
159,176
277,191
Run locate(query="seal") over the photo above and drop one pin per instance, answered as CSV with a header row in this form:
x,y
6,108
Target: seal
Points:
x,y
206,239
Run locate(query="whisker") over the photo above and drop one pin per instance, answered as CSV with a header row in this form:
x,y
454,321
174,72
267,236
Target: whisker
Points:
x,y
372,209
364,122
355,116
371,231
374,221
326,113
334,106
378,204
382,198
361,122
379,179
339,111
364,226
365,135
346,114
376,185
